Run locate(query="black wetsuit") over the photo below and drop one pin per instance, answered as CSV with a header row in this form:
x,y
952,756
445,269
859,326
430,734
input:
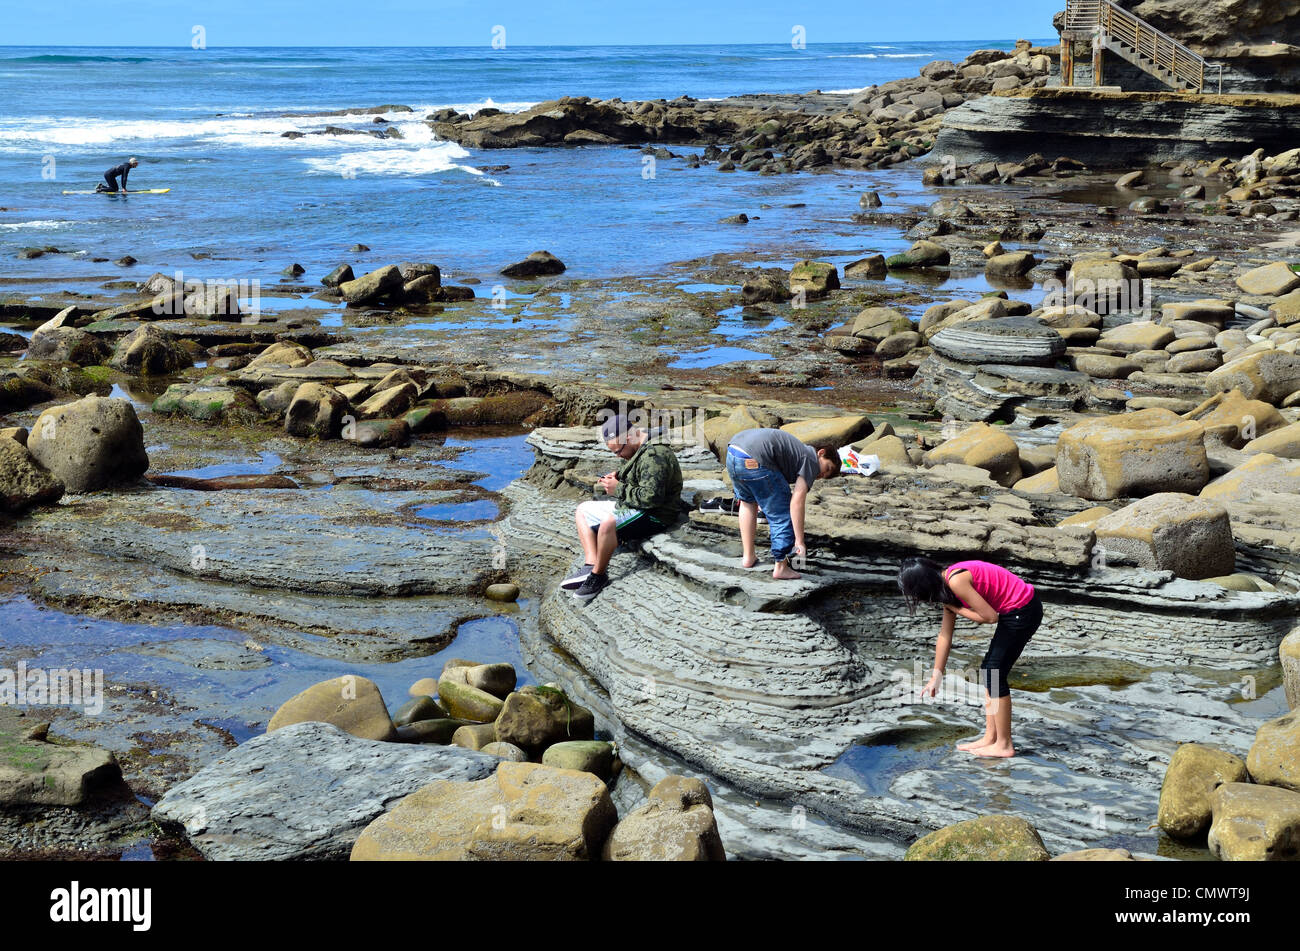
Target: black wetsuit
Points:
x,y
111,176
1013,632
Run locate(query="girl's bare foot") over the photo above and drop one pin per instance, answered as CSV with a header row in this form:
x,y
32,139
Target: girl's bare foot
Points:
x,y
976,744
783,572
748,562
1003,752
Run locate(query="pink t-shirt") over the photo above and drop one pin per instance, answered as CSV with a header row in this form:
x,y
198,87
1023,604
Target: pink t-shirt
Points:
x,y
1004,591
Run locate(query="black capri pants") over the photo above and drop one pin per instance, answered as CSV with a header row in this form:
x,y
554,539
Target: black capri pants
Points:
x,y
1009,638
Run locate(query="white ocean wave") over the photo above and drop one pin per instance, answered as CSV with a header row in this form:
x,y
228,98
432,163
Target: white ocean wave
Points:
x,y
241,129
428,159
879,55
33,225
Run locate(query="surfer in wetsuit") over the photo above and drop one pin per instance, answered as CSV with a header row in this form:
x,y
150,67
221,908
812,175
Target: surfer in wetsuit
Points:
x,y
111,176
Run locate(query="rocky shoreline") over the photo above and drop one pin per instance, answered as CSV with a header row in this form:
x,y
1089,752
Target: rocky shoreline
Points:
x,y
1093,381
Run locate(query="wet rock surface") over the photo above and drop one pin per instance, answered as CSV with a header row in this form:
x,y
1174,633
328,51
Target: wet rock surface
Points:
x,y
304,792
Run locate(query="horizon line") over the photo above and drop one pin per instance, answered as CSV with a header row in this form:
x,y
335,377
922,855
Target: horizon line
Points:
x,y
186,46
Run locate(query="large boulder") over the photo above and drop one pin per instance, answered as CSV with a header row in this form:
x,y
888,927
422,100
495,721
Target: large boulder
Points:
x,y
1103,285
469,703
1007,341
1283,443
212,301
1268,375
351,703
316,410
1069,316
1104,366
23,483
720,429
304,792
1133,454
1216,313
1171,531
1274,757
1289,654
496,679
676,824
984,447
1272,280
768,286
836,430
1255,823
1187,795
373,286
921,254
526,811
389,403
150,351
339,275
532,718
68,345
986,839
597,757
814,278
1136,337
282,353
37,773
205,401
90,444
1252,418
876,323
1262,477
537,264
1011,266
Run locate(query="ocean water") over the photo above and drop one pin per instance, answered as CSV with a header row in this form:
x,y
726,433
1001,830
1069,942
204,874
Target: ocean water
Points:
x,y
249,201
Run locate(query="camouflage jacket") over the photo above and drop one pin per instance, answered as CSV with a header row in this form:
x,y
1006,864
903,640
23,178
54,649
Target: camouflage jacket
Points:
x,y
651,481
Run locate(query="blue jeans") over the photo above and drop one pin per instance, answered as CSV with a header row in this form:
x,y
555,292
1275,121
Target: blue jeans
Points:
x,y
772,494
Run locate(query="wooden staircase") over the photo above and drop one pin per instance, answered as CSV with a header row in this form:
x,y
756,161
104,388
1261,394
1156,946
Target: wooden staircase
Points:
x,y
1110,27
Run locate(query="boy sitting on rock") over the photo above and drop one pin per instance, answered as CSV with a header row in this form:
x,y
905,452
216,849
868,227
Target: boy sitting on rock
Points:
x,y
646,490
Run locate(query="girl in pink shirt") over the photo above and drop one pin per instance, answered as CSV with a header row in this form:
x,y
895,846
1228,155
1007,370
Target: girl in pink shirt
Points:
x,y
984,593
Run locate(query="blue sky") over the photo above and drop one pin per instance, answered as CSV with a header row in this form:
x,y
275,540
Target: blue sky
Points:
x,y
526,22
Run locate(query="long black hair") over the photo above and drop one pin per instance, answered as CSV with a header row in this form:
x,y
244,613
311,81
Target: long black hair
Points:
x,y
921,581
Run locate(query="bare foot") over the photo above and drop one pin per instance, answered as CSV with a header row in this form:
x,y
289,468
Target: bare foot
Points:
x,y
783,572
976,744
748,562
1003,752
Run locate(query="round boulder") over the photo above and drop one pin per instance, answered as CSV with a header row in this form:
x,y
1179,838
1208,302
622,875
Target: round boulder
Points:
x,y
1187,795
1274,757
986,839
351,703
1255,823
90,444
983,447
23,483
150,351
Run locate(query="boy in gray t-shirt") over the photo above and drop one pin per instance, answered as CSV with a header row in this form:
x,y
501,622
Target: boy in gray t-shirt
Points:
x,y
773,469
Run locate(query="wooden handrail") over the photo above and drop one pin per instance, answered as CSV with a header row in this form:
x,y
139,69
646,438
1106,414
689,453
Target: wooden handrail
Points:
x,y
1107,19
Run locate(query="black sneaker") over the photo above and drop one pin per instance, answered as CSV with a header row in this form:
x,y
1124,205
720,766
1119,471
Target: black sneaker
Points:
x,y
576,580
591,587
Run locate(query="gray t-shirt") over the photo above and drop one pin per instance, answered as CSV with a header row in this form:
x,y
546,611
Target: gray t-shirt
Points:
x,y
777,450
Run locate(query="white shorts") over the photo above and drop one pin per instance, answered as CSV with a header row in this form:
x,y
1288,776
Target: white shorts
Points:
x,y
597,510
